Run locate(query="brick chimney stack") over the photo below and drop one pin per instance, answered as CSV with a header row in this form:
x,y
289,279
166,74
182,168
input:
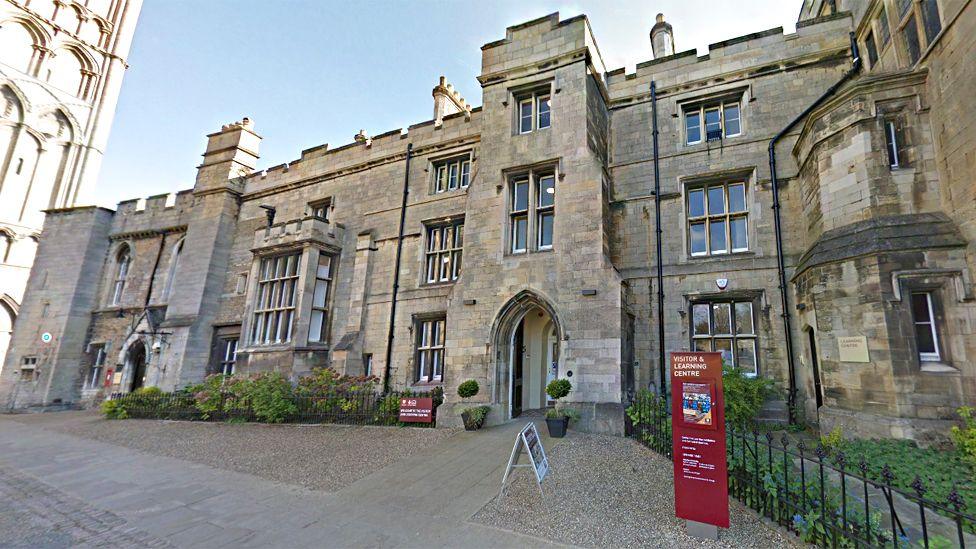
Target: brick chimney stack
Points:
x,y
662,38
447,101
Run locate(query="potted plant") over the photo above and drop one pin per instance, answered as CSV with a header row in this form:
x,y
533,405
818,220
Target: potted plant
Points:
x,y
557,419
474,417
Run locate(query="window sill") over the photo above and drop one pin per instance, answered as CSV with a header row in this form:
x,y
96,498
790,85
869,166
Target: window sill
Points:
x,y
934,367
707,143
746,253
440,284
427,384
451,192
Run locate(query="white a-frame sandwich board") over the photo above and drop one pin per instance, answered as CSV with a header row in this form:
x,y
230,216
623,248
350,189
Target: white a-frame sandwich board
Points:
x,y
528,441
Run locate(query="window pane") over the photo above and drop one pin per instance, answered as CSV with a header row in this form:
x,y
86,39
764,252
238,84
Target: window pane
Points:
x,y
544,111
920,307
315,326
724,346
431,267
713,124
903,7
910,32
452,176
519,228
697,236
545,230
325,266
723,318
872,49
525,116
737,198
923,337
320,293
891,143
745,350
547,191
465,173
445,262
930,18
716,237
693,126
696,203
456,262
732,120
441,178
716,200
883,29
700,322
703,345
520,196
743,318
459,236
740,237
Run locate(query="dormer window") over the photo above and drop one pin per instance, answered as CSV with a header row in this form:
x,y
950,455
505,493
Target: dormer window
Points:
x,y
452,173
712,121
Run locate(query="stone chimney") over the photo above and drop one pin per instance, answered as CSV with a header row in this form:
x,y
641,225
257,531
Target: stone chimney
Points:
x,y
662,38
447,101
231,153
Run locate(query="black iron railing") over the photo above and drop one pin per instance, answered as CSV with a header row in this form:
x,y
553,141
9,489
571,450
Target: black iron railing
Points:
x,y
818,494
341,407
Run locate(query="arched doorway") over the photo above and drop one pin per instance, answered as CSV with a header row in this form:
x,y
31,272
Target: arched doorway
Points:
x,y
527,337
136,364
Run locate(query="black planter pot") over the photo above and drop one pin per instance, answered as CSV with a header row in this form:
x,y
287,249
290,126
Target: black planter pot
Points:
x,y
557,426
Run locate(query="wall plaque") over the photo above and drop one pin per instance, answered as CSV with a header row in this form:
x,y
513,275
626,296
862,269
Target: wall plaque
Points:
x,y
853,349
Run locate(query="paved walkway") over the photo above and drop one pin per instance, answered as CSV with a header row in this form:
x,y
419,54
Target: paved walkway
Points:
x,y
57,490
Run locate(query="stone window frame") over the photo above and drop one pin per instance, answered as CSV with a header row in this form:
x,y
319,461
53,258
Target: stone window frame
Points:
x,y
534,210
442,165
704,185
455,252
93,375
309,253
222,335
718,101
732,299
433,348
319,279
941,285
532,95
876,33
28,367
913,28
896,119
321,209
120,273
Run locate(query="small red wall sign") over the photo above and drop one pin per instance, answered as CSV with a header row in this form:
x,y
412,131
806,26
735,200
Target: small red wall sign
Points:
x,y
416,410
701,482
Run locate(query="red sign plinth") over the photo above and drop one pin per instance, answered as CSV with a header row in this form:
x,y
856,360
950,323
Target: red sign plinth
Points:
x,y
416,410
701,482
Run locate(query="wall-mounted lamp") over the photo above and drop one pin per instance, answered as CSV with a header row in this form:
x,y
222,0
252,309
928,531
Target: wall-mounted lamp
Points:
x,y
270,212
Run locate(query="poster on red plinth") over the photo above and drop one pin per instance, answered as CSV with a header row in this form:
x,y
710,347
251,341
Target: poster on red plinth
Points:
x,y
701,482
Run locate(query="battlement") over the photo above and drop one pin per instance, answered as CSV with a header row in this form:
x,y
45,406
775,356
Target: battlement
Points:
x,y
155,203
749,55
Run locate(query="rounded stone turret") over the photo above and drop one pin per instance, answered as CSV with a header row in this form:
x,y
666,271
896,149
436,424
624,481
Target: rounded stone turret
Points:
x,y
662,38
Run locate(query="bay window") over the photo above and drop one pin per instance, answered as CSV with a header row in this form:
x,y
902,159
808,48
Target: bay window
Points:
x,y
274,309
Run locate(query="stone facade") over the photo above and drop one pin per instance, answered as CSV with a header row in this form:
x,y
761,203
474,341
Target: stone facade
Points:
x,y
61,68
560,272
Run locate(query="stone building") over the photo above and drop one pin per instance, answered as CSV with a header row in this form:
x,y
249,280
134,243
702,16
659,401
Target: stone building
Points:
x,y
61,68
547,193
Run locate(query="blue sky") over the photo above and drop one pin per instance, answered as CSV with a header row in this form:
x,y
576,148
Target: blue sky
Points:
x,y
311,72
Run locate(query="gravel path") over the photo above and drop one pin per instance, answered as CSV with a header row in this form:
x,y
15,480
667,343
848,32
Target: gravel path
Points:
x,y
611,492
319,457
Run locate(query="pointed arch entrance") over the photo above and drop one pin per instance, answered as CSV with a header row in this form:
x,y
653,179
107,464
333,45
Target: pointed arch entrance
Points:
x,y
527,339
135,363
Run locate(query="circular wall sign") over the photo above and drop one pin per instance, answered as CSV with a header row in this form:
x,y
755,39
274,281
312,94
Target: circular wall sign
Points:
x,y
722,283
46,337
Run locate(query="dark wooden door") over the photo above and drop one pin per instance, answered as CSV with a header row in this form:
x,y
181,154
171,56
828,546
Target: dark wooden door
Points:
x,y
518,350
137,359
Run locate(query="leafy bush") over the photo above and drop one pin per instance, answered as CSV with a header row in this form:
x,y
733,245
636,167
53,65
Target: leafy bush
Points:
x,y
744,396
326,381
113,409
468,389
558,388
965,437
832,440
559,413
271,397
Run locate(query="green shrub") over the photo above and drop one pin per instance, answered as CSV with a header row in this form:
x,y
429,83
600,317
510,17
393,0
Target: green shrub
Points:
x,y
744,396
113,409
326,381
468,389
832,440
271,397
965,437
477,414
558,388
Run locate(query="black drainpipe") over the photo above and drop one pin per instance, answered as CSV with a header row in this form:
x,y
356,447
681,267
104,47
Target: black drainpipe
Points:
x,y
396,271
152,277
660,266
780,265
